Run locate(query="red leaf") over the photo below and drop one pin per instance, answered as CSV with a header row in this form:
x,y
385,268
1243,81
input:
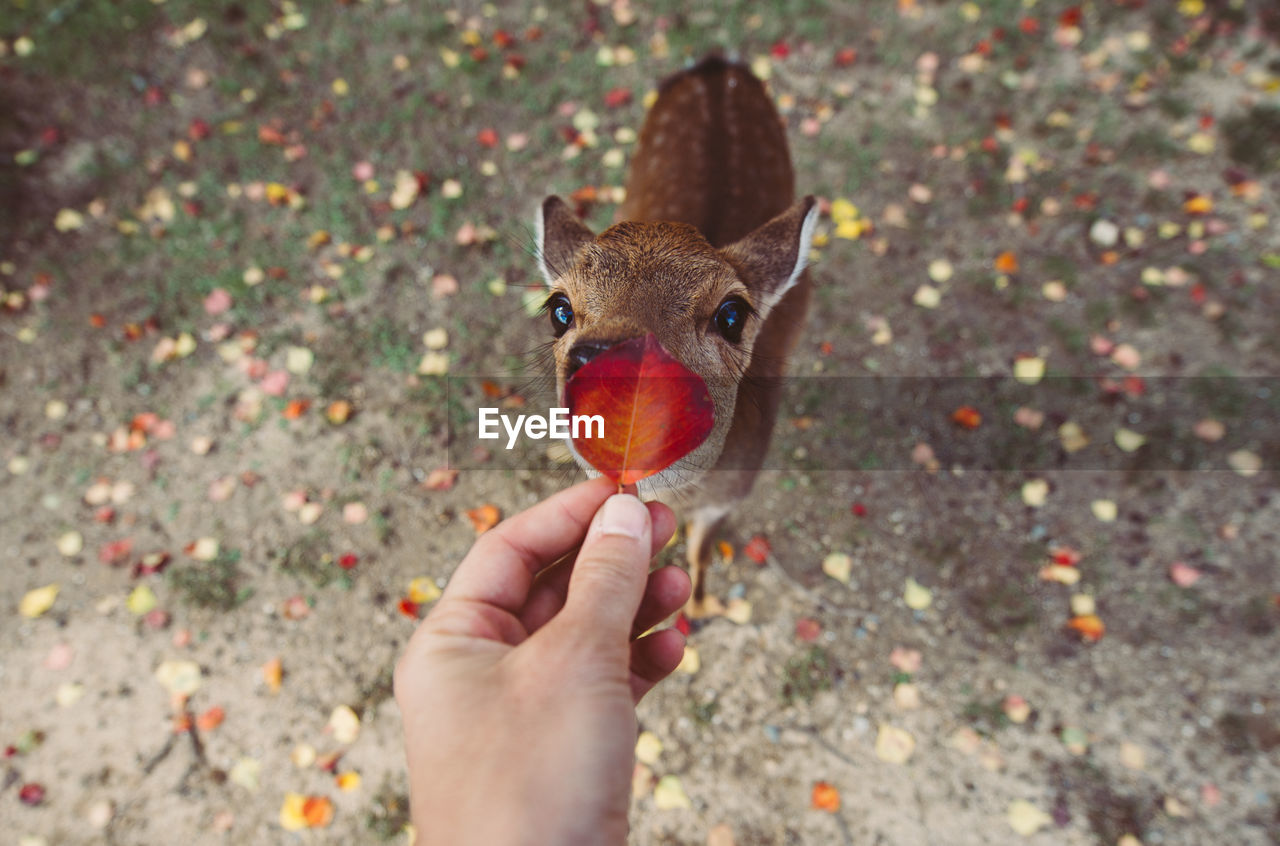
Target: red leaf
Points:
x,y
757,549
808,629
655,410
31,793
616,97
487,137
682,624
348,560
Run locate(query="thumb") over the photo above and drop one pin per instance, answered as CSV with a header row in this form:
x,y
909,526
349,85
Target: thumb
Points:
x,y
609,576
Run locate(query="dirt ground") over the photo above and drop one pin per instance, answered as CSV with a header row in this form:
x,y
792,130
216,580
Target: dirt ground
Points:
x,y
259,262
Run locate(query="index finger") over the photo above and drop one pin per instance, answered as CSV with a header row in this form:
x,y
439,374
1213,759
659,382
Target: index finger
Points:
x,y
499,569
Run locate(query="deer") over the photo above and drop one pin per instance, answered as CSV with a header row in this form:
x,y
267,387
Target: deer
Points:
x,y
708,252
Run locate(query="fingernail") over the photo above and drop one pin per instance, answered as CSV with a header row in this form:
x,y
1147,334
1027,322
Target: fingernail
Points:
x,y
623,515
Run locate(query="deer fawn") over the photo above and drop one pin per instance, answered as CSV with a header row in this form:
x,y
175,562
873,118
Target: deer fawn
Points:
x,y
708,254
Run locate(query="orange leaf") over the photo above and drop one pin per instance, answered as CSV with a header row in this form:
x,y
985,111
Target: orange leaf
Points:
x,y
825,797
317,811
484,518
1199,204
273,674
296,408
1088,626
211,718
967,417
1007,262
655,410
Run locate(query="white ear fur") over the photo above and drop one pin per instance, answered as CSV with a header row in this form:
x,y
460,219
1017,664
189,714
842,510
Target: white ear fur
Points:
x,y
540,228
802,257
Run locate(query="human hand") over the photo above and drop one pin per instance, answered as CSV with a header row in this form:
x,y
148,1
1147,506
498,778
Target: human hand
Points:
x,y
518,690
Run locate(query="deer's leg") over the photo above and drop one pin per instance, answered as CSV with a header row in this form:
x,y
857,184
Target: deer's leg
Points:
x,y
699,532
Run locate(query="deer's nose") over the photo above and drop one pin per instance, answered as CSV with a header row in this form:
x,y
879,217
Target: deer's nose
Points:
x,y
580,354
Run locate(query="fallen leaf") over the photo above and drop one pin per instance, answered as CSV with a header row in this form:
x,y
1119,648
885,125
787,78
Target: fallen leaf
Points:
x,y
70,543
180,678
838,566
1088,626
966,417
894,745
648,748
825,797
916,596
484,518
440,479
757,549
211,718
345,724
669,794
1035,492
1183,575
1025,818
655,411
423,590
808,630
273,674
141,600
1007,262
38,601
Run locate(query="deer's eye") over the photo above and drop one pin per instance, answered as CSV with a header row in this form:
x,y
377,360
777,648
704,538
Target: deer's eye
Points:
x,y
561,314
731,318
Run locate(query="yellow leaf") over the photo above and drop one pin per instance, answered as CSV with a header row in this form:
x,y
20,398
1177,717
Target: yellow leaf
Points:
x,y
1028,371
1035,492
917,596
669,794
244,772
838,566
70,543
141,600
648,747
690,663
1026,819
739,611
348,781
291,813
180,678
1104,510
344,724
38,601
423,590
894,745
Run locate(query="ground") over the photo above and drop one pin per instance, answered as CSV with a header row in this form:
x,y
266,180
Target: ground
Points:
x,y
260,261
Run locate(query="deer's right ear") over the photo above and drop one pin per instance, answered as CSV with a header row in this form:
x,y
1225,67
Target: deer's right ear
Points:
x,y
560,236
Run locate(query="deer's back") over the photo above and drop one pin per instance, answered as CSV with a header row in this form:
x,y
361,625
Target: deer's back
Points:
x,y
712,153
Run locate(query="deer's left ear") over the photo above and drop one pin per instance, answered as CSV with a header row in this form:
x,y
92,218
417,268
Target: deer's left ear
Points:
x,y
771,258
560,236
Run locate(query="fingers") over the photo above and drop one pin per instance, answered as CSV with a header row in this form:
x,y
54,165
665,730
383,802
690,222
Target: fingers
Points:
x,y
610,573
499,569
546,597
665,593
653,658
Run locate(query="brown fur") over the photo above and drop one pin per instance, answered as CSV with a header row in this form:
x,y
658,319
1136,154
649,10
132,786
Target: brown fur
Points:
x,y
709,213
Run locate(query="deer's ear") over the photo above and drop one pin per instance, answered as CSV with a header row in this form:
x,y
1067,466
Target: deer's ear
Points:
x,y
560,236
771,258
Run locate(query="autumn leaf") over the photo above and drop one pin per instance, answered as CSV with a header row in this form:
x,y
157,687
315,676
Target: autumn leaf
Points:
x,y
655,410
825,797
1088,626
484,518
